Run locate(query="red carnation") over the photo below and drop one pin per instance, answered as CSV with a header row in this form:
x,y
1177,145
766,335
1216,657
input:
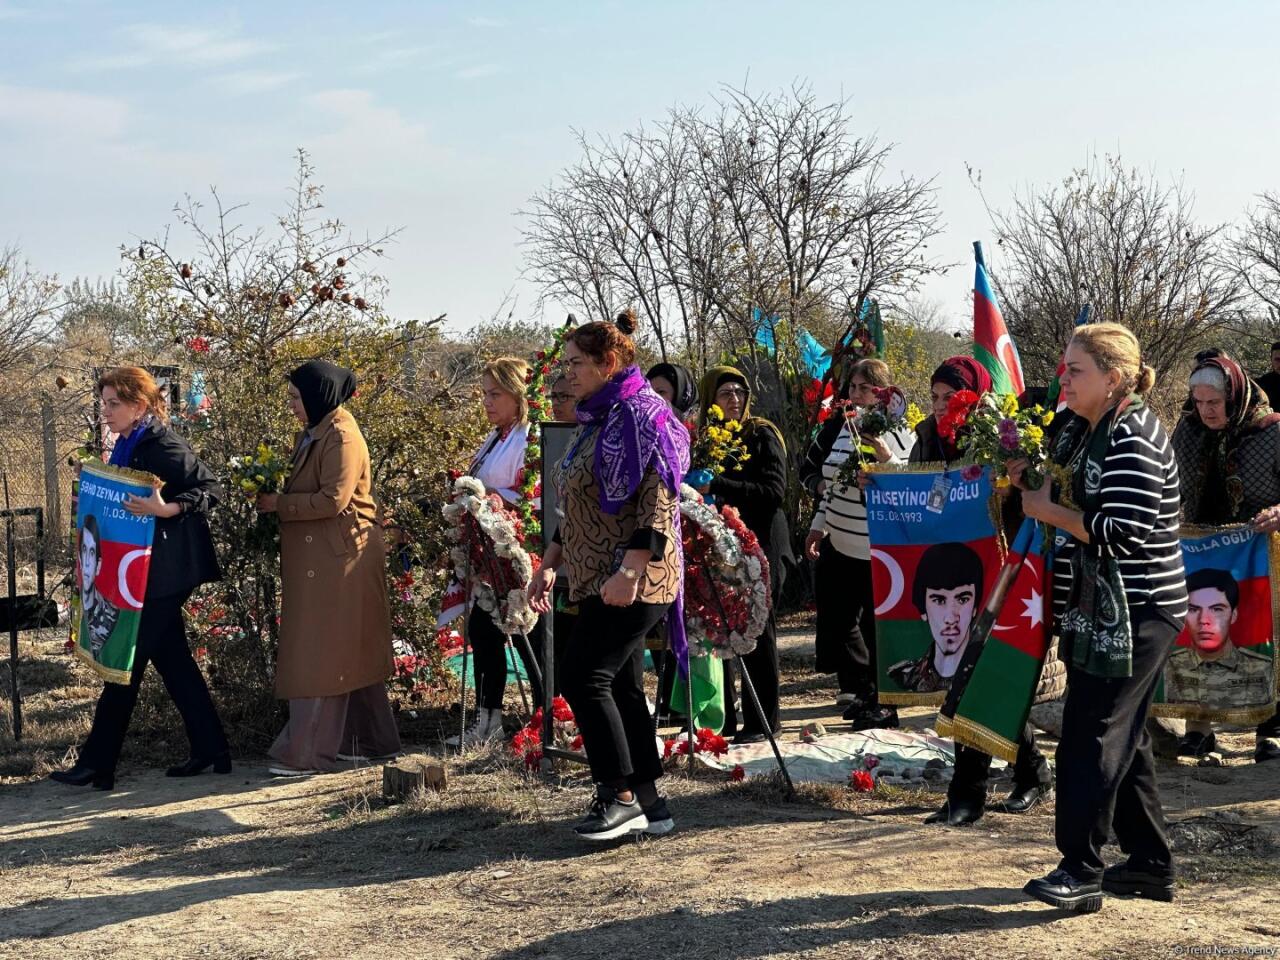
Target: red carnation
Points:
x,y
862,781
737,774
576,743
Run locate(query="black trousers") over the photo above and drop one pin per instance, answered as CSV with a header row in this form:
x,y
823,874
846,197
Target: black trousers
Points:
x,y
162,641
1106,770
603,688
762,666
489,659
845,638
973,768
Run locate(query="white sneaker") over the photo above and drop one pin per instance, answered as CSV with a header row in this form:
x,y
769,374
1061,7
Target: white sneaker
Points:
x,y
487,726
290,772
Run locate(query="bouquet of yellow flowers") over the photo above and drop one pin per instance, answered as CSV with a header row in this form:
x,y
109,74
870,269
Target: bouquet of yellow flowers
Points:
x,y
998,430
717,447
264,471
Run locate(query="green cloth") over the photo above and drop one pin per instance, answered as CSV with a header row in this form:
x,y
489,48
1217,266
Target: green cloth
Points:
x,y
707,675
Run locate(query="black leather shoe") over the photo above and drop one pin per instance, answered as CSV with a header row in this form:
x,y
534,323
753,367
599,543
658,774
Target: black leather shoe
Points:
x,y
956,814
1126,880
1268,749
1023,799
82,776
873,718
1196,744
195,765
1060,889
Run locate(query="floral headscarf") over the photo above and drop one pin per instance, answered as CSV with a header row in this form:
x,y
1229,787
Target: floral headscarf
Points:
x,y
1213,489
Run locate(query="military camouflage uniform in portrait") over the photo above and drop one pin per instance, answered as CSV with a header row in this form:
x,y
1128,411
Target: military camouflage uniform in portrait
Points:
x,y
947,590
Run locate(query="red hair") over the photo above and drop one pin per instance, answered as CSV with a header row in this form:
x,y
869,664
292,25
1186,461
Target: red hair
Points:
x,y
135,385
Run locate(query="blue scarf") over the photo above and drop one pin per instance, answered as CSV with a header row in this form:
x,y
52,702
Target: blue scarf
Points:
x,y
123,449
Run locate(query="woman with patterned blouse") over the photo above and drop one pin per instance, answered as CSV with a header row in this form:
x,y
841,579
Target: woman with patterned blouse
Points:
x,y
619,543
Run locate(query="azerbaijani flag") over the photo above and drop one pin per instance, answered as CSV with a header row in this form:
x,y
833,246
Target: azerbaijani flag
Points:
x,y
933,548
113,561
1003,667
992,345
1053,399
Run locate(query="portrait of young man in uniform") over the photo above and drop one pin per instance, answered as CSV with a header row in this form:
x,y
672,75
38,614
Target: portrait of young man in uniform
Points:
x,y
947,590
97,616
1212,670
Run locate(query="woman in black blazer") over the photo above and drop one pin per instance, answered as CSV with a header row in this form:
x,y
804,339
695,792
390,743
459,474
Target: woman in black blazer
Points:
x,y
182,558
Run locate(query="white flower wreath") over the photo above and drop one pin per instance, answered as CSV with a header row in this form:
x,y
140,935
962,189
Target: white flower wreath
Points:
x,y
736,570
512,614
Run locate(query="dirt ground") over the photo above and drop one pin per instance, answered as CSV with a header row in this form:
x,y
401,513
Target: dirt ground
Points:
x,y
242,866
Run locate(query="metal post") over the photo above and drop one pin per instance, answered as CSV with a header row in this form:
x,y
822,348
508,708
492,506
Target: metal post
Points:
x,y
52,489
11,557
548,682
688,699
755,702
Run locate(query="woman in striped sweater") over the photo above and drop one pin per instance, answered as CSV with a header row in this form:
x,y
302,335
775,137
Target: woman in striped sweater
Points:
x,y
1119,601
841,551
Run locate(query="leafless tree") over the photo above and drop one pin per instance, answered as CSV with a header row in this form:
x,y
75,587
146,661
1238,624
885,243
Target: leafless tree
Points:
x,y
1256,251
29,303
1121,241
763,203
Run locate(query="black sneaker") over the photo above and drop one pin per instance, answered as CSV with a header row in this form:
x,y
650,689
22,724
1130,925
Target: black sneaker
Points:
x,y
1133,880
1060,889
1196,744
609,817
659,818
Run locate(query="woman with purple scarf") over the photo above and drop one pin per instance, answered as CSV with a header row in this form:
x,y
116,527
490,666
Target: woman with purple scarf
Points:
x,y
619,544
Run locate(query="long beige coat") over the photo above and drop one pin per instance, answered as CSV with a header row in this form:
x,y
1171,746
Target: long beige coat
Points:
x,y
335,627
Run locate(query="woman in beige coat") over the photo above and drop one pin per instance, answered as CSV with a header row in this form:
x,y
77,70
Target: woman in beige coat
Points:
x,y
335,630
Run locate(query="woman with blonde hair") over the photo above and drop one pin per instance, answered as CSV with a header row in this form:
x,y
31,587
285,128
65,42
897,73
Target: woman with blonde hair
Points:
x,y
182,558
335,624
1119,598
499,465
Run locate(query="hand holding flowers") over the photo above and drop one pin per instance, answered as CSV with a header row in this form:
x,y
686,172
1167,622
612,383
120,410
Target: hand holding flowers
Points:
x,y
1001,434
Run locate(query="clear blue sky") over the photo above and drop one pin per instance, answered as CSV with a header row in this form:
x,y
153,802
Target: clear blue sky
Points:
x,y
443,118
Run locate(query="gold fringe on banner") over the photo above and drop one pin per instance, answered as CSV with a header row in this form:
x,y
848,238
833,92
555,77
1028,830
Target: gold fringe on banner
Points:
x,y
894,698
964,731
108,472
106,673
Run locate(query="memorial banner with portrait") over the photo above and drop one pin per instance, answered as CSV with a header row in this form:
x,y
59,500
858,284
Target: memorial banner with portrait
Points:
x,y
934,554
1223,665
113,560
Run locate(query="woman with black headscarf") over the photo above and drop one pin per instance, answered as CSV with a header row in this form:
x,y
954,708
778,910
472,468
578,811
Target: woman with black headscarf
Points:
x,y
1228,449
675,384
757,491
335,630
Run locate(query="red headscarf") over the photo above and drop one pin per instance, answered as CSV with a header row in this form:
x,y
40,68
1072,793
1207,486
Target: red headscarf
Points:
x,y
963,373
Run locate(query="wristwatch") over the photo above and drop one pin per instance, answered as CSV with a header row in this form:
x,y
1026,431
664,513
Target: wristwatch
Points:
x,y
629,573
